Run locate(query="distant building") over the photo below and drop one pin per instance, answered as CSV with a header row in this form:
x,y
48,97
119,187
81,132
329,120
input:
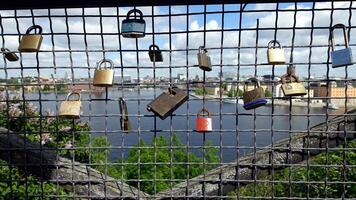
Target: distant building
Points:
x,y
181,77
124,79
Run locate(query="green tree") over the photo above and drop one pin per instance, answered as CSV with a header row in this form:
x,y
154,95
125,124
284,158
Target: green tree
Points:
x,y
234,93
268,93
201,91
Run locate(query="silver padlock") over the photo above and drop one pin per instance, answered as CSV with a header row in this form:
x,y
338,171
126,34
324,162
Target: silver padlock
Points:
x,y
203,59
341,57
275,55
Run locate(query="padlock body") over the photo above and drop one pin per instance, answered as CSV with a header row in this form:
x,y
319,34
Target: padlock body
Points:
x,y
155,55
204,124
254,98
70,109
103,77
204,62
30,43
125,124
133,28
341,57
293,89
165,104
276,56
11,57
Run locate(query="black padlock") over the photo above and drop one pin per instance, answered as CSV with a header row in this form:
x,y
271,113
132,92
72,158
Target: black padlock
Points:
x,y
132,27
10,56
166,103
155,54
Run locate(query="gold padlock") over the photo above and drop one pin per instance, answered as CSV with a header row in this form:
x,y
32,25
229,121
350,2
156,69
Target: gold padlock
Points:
x,y
124,120
275,55
291,86
253,98
71,108
104,77
203,59
10,56
31,42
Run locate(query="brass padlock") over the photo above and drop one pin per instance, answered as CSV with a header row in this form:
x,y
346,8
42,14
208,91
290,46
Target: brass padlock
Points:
x,y
132,27
341,57
155,54
31,42
253,98
10,56
291,86
124,119
71,108
204,61
275,55
166,103
104,77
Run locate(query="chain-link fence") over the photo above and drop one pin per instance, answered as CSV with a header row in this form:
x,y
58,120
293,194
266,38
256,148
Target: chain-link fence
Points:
x,y
177,127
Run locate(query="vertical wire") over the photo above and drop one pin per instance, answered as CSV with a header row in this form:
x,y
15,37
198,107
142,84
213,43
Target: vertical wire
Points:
x,y
308,111
272,107
9,180
40,106
237,176
171,82
220,100
254,113
188,105
23,129
327,106
90,95
204,134
73,80
106,105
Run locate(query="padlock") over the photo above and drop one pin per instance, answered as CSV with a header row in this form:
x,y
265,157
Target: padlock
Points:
x,y
10,56
203,59
253,98
71,108
104,77
124,119
31,42
341,57
133,28
203,122
166,103
275,55
155,54
291,86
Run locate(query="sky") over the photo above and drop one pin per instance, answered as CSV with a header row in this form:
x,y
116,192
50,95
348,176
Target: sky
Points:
x,y
222,32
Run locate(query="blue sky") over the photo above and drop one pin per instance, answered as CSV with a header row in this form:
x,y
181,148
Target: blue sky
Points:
x,y
84,64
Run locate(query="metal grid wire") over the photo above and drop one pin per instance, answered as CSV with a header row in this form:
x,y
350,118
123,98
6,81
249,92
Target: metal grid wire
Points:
x,y
76,38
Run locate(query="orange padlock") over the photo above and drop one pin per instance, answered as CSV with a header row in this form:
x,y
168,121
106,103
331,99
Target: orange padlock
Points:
x,y
203,121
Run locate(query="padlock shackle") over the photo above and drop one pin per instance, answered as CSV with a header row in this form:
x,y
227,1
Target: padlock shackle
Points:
x,y
274,42
134,11
105,60
34,27
202,111
5,50
123,108
202,49
332,40
152,46
73,93
284,81
252,80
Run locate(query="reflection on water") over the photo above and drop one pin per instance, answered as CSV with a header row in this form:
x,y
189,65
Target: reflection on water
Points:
x,y
231,130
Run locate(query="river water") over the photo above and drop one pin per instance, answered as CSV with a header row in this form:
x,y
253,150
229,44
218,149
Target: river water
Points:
x,y
237,130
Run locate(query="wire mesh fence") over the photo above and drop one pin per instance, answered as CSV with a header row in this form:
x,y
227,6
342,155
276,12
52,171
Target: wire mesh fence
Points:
x,y
292,147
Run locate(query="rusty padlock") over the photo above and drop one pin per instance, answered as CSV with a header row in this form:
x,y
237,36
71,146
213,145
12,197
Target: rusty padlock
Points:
x,y
10,56
31,42
203,122
275,55
166,103
204,61
104,77
71,108
340,57
291,86
124,119
132,27
155,54
253,98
